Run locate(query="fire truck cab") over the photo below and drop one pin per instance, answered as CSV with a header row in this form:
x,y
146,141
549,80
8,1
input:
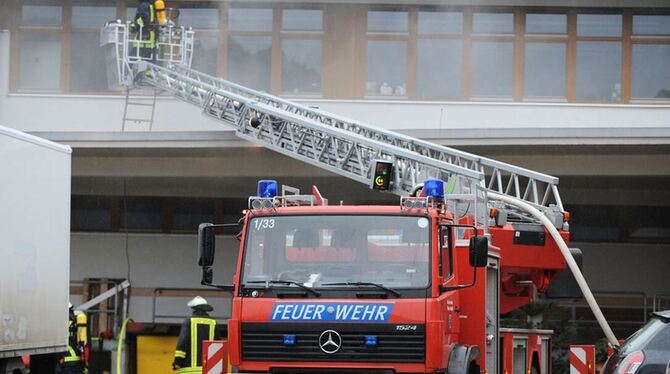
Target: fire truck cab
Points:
x,y
406,288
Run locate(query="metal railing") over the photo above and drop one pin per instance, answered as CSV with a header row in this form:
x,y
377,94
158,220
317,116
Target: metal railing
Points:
x,y
186,293
116,311
660,301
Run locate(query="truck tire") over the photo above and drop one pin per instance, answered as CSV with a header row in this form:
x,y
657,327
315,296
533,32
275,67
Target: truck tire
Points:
x,y
462,360
12,366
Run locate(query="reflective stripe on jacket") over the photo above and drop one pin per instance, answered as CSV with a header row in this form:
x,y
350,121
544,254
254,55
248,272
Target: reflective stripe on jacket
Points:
x,y
194,330
146,18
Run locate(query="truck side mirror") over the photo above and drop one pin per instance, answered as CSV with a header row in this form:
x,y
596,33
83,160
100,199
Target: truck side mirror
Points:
x,y
207,275
206,245
479,251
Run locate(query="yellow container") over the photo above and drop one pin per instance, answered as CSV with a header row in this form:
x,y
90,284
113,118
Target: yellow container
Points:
x,y
155,354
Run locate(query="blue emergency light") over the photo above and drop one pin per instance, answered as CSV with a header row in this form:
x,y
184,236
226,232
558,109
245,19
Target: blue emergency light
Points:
x,y
370,340
289,339
433,188
267,188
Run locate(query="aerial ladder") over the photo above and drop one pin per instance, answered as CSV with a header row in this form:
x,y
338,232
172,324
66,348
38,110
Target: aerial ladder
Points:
x,y
343,146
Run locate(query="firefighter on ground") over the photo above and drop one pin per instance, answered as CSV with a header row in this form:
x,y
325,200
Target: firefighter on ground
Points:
x,y
72,361
196,328
144,27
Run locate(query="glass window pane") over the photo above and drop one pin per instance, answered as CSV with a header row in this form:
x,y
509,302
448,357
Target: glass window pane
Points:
x,y
491,23
651,70
651,25
205,53
301,65
87,63
546,23
492,69
302,19
598,70
249,61
387,21
199,18
143,214
91,213
440,23
438,69
249,19
599,24
41,15
92,16
40,61
187,214
545,70
387,68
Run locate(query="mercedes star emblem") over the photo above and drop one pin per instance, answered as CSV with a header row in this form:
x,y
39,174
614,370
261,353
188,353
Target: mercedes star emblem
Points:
x,y
330,341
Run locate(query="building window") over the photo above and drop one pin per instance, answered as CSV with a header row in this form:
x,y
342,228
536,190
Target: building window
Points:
x,y
492,54
302,20
545,52
88,72
540,23
42,15
651,53
439,54
387,68
301,51
141,214
41,39
599,58
492,69
91,213
301,66
40,61
187,214
250,47
599,24
204,19
438,68
493,23
388,21
598,71
387,53
544,70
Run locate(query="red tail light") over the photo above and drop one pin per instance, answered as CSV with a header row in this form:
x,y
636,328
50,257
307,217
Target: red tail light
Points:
x,y
631,363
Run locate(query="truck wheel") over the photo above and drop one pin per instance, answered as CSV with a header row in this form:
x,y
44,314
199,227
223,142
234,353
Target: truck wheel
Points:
x,y
473,368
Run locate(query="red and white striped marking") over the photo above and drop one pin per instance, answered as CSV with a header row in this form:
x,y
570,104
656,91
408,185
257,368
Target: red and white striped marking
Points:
x,y
582,359
215,357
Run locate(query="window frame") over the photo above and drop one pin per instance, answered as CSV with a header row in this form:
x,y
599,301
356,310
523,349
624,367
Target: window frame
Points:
x,y
645,39
419,37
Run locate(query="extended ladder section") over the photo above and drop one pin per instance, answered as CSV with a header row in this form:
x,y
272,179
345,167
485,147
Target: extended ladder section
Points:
x,y
335,143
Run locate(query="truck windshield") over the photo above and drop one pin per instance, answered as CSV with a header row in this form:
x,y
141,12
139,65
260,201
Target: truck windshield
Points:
x,y
318,249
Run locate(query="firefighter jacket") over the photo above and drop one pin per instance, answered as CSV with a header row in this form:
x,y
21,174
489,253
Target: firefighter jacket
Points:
x,y
188,355
146,18
71,360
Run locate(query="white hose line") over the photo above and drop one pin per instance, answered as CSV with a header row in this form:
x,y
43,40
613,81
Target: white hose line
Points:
x,y
568,259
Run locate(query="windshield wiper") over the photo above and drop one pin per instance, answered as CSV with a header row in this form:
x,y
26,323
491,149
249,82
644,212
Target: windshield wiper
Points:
x,y
287,282
380,286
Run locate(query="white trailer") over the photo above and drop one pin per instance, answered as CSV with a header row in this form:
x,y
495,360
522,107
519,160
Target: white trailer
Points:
x,y
34,247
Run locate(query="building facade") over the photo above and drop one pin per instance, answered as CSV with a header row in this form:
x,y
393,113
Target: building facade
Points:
x,y
574,89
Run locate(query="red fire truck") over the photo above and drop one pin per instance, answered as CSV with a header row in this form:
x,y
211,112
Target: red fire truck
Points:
x,y
406,288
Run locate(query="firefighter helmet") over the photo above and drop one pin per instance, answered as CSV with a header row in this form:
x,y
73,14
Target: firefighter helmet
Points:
x,y
197,301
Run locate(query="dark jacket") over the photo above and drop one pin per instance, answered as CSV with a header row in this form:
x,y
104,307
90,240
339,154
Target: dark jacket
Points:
x,y
145,14
200,326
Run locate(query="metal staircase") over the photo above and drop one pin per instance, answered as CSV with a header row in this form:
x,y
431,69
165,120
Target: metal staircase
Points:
x,y
334,143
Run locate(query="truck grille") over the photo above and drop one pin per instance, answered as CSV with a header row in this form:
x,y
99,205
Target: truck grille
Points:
x,y
265,342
